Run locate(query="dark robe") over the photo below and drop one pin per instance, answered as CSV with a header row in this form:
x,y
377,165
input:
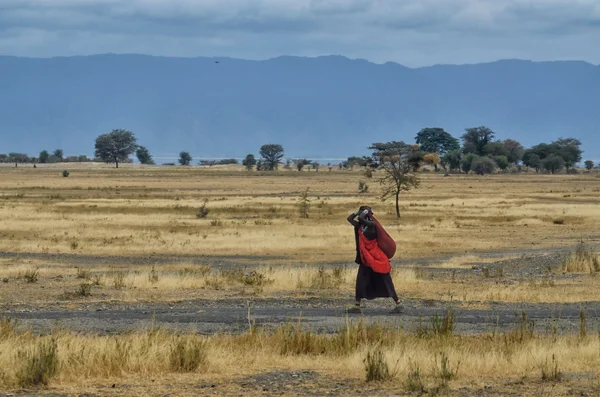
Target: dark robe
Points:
x,y
369,284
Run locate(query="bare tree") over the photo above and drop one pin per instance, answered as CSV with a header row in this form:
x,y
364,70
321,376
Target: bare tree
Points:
x,y
399,163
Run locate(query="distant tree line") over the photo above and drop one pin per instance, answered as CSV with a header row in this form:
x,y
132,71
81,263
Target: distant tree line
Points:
x,y
44,157
479,152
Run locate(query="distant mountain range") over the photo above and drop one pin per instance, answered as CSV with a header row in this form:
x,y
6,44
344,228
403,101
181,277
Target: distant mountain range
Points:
x,y
325,107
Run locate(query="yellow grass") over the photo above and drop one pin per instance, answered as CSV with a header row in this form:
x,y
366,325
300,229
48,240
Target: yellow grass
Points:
x,y
148,354
137,211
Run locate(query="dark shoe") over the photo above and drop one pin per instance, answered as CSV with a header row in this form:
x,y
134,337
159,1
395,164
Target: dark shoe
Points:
x,y
397,310
354,310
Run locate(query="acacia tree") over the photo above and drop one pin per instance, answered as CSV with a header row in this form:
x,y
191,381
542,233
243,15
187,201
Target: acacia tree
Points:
x,y
399,163
589,164
59,154
436,140
115,146
144,156
475,139
44,156
249,162
553,163
569,150
451,160
515,151
185,158
271,156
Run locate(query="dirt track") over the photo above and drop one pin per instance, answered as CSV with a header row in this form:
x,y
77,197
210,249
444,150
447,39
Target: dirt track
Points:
x,y
320,314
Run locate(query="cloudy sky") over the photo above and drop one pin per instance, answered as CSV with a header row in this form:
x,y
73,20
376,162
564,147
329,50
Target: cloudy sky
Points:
x,y
411,32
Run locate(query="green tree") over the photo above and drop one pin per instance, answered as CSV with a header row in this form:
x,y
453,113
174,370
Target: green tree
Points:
x,y
399,163
451,160
553,163
271,155
185,158
466,161
483,165
515,151
143,155
44,156
436,140
115,146
316,166
18,158
300,163
501,161
475,139
496,148
58,153
249,162
532,159
589,164
569,149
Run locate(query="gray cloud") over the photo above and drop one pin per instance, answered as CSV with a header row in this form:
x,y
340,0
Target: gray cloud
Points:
x,y
413,32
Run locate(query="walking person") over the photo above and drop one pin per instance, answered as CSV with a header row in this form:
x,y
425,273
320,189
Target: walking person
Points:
x,y
374,248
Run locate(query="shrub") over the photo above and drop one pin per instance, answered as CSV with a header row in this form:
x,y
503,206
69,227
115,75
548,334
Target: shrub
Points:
x,y
84,289
84,274
203,211
363,187
38,364
187,353
153,276
66,174
304,204
483,165
31,276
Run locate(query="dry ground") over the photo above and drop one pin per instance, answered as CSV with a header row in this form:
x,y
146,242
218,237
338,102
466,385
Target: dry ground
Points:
x,y
131,236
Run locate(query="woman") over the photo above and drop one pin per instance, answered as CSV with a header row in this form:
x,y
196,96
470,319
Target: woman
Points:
x,y
373,279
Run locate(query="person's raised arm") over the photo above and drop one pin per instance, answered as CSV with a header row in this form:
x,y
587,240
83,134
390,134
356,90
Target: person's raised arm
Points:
x,y
351,219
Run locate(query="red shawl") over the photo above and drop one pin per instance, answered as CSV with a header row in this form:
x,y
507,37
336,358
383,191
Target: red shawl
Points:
x,y
384,240
377,253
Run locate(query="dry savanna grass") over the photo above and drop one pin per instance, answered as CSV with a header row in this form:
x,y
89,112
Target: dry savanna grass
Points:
x,y
426,358
140,211
36,282
72,241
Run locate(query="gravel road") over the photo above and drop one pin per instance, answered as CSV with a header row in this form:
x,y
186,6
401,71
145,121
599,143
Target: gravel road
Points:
x,y
322,315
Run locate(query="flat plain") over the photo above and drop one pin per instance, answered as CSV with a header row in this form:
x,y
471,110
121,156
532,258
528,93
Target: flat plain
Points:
x,y
114,282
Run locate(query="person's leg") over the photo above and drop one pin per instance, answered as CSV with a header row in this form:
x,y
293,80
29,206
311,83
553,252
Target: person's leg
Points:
x,y
390,285
359,291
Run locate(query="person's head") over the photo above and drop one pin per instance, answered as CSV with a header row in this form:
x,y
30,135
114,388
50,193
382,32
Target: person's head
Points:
x,y
366,207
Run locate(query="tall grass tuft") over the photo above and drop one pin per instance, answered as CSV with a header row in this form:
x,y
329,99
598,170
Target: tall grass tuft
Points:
x,y
583,260
376,366
39,363
7,328
550,371
414,381
188,353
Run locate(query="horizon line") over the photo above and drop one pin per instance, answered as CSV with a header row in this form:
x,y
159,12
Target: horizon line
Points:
x,y
215,57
